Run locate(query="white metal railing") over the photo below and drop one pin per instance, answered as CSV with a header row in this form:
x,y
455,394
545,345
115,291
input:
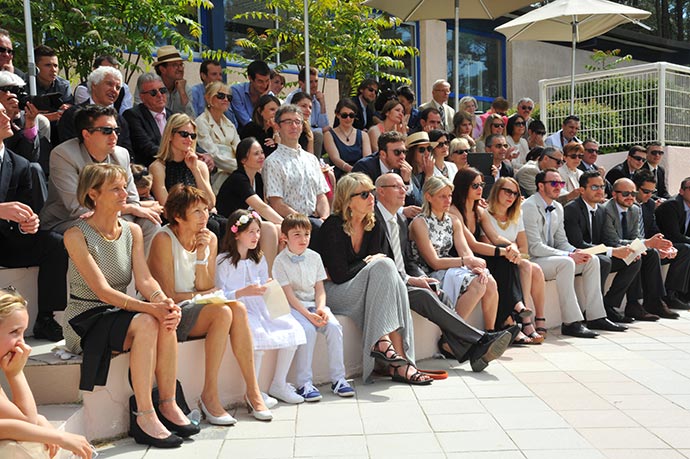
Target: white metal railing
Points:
x,y
623,107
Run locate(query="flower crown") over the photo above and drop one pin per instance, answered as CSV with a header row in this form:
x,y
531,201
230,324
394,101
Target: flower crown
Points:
x,y
243,220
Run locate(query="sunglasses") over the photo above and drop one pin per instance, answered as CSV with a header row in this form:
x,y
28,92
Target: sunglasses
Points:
x,y
443,144
625,194
555,183
519,123
646,191
592,150
12,89
540,132
498,125
510,192
476,186
499,145
560,162
638,158
223,96
105,130
425,149
363,194
154,92
185,134
461,152
576,156
347,115
6,50
370,89
597,187
526,107
657,152
398,152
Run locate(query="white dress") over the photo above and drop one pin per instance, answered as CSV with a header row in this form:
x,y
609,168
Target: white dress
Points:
x,y
267,333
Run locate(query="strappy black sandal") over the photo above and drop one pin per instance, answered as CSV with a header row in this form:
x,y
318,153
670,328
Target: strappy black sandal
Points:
x,y
416,379
541,330
389,355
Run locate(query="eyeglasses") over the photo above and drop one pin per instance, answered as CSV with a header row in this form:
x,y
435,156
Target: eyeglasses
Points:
x,y
575,156
6,50
223,96
519,123
185,134
476,186
526,107
443,144
555,183
362,194
540,132
294,122
657,152
497,125
397,187
560,162
597,187
398,152
461,152
510,192
12,89
592,150
347,115
428,148
154,92
105,130
625,194
499,145
638,158
647,191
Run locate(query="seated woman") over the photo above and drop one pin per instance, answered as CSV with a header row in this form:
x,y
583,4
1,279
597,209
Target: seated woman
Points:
x,y
177,162
462,127
262,126
493,125
501,260
502,225
217,135
105,253
440,154
393,115
364,283
244,189
468,104
19,419
183,260
573,152
459,149
419,149
516,129
433,233
345,144
406,97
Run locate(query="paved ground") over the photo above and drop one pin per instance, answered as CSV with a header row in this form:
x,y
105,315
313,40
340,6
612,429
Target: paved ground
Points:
x,y
619,396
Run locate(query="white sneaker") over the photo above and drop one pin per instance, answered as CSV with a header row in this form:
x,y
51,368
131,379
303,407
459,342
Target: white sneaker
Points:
x,y
285,393
269,401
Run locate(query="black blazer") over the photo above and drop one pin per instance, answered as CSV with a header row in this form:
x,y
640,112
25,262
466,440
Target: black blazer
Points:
x,y
15,185
144,133
661,189
369,165
670,216
607,184
576,222
411,268
66,129
619,171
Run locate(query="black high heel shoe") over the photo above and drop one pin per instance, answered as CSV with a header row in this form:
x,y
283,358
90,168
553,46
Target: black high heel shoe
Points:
x,y
141,437
184,431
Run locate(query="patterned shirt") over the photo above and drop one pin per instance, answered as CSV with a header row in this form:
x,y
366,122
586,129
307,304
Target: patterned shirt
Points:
x,y
301,272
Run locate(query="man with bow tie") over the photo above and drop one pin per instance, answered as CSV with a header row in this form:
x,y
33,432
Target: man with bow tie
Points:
x,y
550,249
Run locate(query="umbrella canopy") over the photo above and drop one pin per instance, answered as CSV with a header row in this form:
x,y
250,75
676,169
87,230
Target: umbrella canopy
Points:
x,y
571,20
418,10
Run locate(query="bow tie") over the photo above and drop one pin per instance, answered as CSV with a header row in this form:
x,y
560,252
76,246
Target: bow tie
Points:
x,y
550,209
297,258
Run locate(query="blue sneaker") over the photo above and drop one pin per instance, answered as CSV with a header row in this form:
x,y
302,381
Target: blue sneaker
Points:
x,y
342,388
309,393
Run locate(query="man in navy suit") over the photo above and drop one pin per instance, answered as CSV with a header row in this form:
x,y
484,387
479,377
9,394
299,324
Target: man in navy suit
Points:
x,y
22,244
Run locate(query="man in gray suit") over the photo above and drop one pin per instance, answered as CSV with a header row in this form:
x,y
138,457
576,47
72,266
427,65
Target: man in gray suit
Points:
x,y
550,249
623,224
426,298
439,100
96,142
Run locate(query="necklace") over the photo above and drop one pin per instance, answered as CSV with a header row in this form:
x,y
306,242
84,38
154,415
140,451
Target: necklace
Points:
x,y
502,221
116,236
347,136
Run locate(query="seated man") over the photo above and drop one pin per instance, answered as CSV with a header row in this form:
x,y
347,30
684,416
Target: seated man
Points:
x,y
589,162
621,226
626,169
655,152
584,218
550,249
123,102
96,140
22,244
568,133
550,158
292,177
48,82
464,341
246,95
210,70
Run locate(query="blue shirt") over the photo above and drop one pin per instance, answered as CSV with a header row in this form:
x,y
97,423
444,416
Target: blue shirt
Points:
x,y
242,103
318,120
199,103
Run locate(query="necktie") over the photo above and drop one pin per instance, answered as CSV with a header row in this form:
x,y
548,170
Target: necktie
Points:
x,y
624,224
395,244
297,258
443,116
687,223
160,121
591,226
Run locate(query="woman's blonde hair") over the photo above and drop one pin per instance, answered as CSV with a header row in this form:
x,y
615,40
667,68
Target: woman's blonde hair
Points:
x,y
92,177
214,88
10,301
513,212
344,189
486,130
433,185
173,125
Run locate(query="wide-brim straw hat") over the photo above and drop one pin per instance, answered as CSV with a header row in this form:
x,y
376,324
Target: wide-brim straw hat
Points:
x,y
419,138
167,53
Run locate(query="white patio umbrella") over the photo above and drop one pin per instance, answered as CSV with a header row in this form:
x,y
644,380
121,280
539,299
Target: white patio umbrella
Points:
x,y
419,10
572,20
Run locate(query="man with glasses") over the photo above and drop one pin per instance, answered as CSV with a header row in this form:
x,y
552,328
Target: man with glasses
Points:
x,y
655,152
246,95
622,225
170,67
559,260
589,161
293,180
568,133
677,281
210,70
440,92
550,158
626,169
367,91
7,54
96,142
147,119
584,218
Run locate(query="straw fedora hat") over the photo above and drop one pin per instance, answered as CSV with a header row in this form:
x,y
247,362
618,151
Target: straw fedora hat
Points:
x,y
167,53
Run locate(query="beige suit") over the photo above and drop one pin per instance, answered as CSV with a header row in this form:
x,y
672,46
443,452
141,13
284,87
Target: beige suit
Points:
x,y
219,140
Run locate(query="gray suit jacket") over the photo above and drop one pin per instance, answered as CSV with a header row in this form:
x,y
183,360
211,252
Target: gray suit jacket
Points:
x,y
612,232
534,218
66,162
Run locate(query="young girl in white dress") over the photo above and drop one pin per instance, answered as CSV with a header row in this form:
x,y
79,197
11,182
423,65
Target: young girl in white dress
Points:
x,y
242,273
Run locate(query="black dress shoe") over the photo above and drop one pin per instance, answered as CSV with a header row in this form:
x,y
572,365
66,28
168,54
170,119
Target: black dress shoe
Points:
x,y
514,330
141,437
47,328
663,311
489,348
673,301
578,330
615,316
183,431
637,312
605,324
